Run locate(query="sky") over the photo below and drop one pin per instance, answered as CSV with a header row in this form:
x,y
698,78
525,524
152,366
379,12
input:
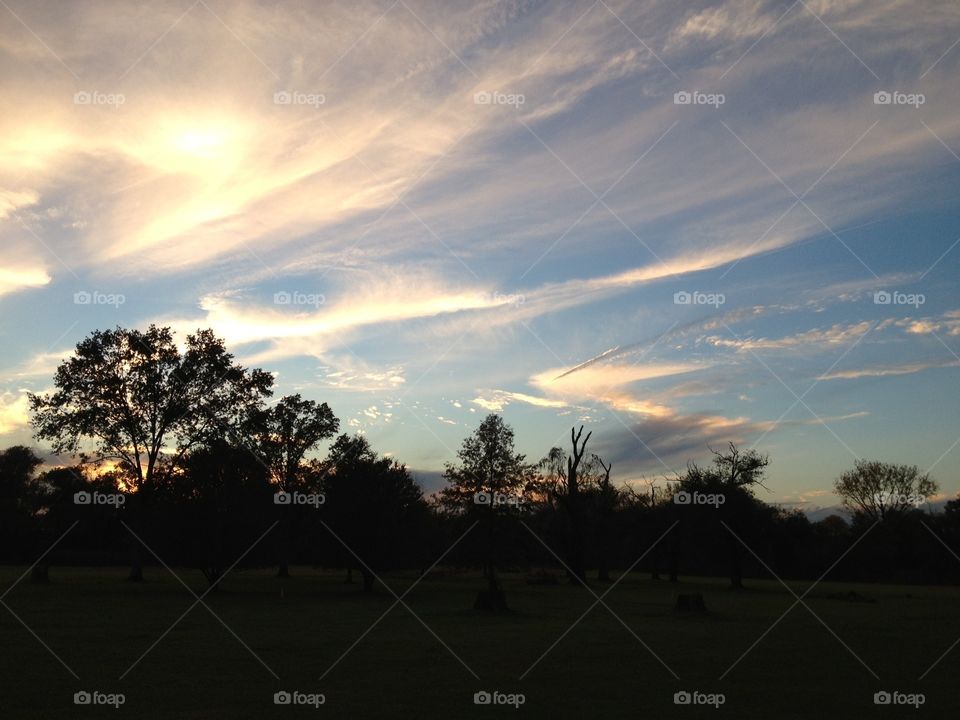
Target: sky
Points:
x,y
679,224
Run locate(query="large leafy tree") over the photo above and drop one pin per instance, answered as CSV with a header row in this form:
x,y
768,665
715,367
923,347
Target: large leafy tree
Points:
x,y
221,498
373,504
135,398
733,476
876,490
282,435
488,468
287,431
17,466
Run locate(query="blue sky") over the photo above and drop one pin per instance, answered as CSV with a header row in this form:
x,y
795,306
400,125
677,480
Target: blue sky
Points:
x,y
423,212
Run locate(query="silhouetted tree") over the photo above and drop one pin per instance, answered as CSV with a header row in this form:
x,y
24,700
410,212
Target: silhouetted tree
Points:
x,y
607,497
282,435
134,395
485,485
17,465
372,503
731,479
575,509
876,490
224,492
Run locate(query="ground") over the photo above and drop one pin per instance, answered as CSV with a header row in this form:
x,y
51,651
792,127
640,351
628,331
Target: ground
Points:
x,y
100,625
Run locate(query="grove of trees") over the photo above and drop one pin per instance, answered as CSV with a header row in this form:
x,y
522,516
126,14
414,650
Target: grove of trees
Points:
x,y
178,455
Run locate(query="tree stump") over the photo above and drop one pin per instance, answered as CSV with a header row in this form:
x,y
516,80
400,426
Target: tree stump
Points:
x,y
690,602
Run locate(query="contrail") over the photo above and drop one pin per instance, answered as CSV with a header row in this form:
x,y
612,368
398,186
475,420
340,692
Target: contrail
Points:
x,y
702,323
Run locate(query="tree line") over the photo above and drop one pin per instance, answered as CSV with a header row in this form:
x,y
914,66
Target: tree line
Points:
x,y
179,459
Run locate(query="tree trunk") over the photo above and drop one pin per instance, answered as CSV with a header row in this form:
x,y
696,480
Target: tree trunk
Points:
x,y
283,565
578,573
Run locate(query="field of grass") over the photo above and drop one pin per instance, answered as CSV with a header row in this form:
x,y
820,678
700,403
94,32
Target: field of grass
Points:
x,y
100,625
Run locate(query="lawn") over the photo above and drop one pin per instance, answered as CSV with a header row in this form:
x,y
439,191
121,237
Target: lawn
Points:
x,y
100,625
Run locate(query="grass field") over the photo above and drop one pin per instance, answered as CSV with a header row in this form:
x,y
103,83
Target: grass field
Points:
x,y
100,625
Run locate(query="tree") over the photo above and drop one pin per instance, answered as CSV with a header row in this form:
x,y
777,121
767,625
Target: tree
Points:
x,y
730,481
135,396
484,485
607,503
17,465
876,490
578,571
222,495
282,435
563,483
373,505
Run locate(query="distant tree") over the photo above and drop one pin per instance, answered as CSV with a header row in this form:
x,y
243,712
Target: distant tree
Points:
x,y
282,435
607,499
484,485
52,498
373,505
876,490
834,526
575,508
17,466
563,482
135,396
224,493
732,478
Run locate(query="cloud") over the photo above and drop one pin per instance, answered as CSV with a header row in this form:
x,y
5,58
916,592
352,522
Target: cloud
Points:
x,y
497,400
11,200
200,167
948,322
13,278
14,412
888,370
839,334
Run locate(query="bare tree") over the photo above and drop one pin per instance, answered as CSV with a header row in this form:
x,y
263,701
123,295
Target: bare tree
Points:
x,y
574,502
607,503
